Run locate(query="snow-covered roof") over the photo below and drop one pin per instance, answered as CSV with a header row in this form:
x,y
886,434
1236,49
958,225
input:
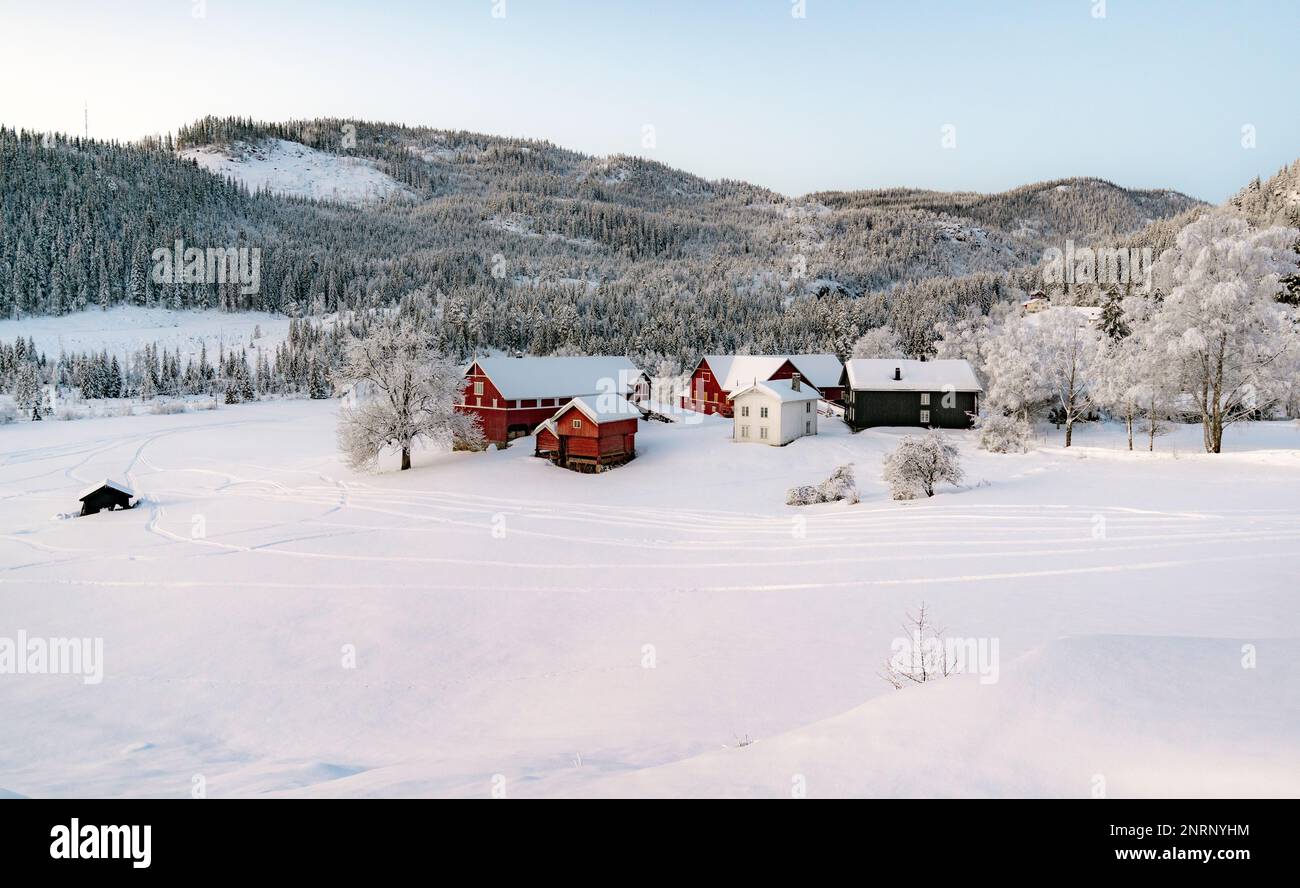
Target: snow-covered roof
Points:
x,y
559,377
733,371
780,389
822,371
877,374
603,408
109,483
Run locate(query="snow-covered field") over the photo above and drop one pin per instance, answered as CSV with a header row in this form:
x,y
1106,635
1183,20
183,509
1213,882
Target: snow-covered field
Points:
x,y
522,629
297,170
125,329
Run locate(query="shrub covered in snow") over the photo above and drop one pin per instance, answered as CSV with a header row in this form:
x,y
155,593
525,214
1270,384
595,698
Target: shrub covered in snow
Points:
x,y
8,412
1005,434
167,408
803,495
919,463
839,486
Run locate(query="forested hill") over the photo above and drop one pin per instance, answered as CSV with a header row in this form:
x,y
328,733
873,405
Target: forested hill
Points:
x,y
520,243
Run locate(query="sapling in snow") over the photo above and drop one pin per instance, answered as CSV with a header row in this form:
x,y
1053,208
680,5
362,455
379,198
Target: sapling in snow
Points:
x,y
919,656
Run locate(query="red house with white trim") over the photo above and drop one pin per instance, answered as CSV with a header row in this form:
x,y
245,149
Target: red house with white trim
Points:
x,y
716,376
511,396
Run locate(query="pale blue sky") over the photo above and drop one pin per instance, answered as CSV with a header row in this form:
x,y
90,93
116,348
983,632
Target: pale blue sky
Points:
x,y
855,95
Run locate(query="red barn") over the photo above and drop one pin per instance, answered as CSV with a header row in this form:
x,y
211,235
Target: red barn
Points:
x,y
716,376
511,396
589,435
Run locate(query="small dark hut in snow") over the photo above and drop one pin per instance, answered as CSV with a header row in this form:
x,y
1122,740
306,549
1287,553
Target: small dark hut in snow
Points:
x,y
106,495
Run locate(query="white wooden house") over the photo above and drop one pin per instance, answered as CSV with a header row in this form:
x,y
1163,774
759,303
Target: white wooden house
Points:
x,y
775,411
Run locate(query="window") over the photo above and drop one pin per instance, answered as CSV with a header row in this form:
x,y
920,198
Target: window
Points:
x,y
762,413
925,417
807,428
744,431
925,399
577,423
762,432
478,388
744,411
807,406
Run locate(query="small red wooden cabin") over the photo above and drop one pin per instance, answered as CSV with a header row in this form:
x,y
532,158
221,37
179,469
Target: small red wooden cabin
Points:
x,y
510,396
589,434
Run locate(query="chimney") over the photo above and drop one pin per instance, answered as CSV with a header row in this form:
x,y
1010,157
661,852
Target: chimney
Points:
x,y
794,381
898,373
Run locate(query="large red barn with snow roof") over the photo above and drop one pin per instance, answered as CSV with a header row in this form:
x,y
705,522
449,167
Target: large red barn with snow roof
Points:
x,y
511,396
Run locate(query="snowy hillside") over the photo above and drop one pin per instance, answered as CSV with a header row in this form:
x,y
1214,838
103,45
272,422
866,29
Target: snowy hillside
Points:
x,y
296,170
521,627
1130,715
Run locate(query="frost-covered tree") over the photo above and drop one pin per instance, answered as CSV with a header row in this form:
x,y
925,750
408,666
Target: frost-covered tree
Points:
x,y
962,338
880,342
1116,381
406,393
1000,433
1071,352
1219,318
1113,323
1135,378
27,388
919,463
1013,365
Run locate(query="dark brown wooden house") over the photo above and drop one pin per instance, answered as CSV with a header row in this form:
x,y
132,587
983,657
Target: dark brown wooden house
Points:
x,y
105,496
590,435
902,392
